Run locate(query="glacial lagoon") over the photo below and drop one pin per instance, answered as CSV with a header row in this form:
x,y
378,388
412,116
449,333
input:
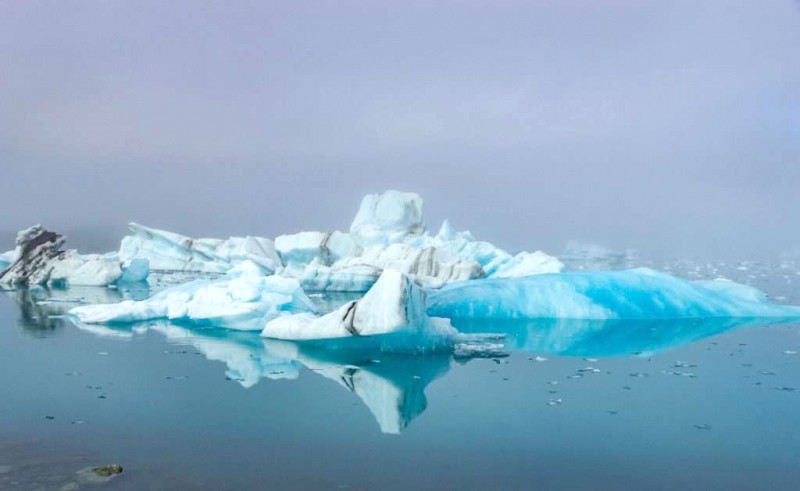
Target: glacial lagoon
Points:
x,y
665,404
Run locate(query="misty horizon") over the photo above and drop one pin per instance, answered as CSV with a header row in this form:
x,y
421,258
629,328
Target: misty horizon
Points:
x,y
672,129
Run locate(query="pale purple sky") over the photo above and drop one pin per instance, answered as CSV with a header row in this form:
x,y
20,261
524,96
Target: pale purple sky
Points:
x,y
671,127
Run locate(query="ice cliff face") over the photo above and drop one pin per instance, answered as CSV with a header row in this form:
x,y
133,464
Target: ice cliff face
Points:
x,y
39,260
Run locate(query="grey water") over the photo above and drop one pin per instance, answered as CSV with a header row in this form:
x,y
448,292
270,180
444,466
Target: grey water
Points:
x,y
708,404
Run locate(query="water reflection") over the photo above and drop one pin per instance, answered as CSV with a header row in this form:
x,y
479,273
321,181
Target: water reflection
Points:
x,y
40,307
390,384
606,338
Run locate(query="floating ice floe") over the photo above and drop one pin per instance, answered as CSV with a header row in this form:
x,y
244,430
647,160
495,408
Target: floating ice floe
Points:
x,y
394,305
40,260
243,299
174,252
634,294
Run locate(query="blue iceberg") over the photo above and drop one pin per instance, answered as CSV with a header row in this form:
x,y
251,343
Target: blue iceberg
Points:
x,y
634,294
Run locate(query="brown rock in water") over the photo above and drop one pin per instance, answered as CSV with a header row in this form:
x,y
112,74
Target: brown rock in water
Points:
x,y
107,470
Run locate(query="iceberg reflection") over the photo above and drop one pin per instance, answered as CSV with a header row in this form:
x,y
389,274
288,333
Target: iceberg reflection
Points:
x,y
606,338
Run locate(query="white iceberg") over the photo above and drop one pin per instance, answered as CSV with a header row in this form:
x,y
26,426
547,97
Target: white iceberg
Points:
x,y
40,260
494,261
388,233
174,252
387,217
7,258
634,294
395,304
243,299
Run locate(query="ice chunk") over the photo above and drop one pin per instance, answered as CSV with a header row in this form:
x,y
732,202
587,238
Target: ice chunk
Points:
x,y
70,268
7,258
495,262
243,299
40,261
387,217
138,270
393,305
319,278
300,249
633,294
174,252
527,264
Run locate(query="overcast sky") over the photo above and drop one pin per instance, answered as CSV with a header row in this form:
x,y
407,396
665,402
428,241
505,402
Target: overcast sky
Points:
x,y
672,127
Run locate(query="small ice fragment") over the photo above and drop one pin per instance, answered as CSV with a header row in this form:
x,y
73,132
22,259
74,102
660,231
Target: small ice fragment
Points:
x,y
554,402
703,427
102,352
790,352
785,389
540,359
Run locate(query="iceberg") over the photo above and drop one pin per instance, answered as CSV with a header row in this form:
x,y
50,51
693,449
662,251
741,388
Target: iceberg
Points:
x,y
388,233
634,294
174,252
494,261
40,260
7,258
386,218
394,305
243,299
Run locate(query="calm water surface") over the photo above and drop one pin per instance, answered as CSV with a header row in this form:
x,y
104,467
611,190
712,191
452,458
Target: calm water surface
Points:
x,y
667,405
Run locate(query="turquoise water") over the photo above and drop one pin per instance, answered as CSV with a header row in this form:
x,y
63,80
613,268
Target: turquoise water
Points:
x,y
664,405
